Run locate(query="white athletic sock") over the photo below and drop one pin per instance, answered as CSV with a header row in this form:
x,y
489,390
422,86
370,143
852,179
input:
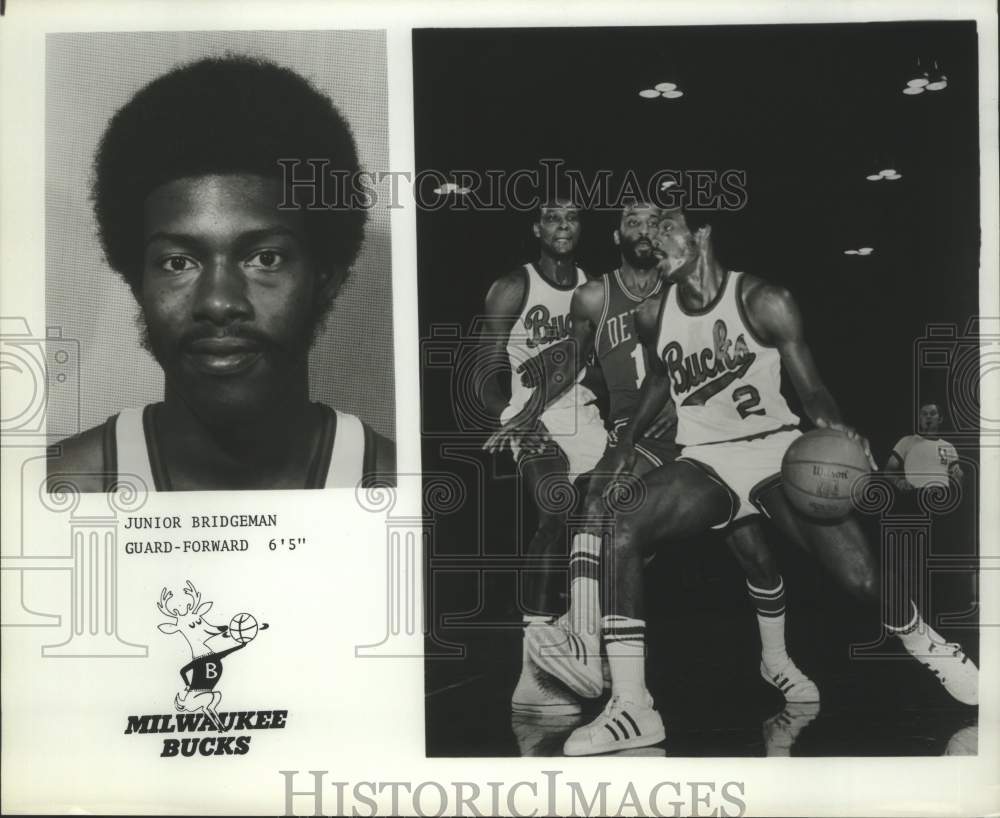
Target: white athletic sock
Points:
x,y
585,599
770,605
625,643
914,633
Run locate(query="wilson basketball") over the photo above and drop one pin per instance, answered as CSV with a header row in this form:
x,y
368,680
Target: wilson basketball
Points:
x,y
243,627
818,470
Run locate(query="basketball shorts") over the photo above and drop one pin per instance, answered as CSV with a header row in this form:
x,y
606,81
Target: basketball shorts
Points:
x,y
655,450
744,468
575,426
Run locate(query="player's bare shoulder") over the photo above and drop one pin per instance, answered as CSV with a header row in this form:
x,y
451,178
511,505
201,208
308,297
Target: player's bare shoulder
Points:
x,y
78,462
769,308
588,300
507,294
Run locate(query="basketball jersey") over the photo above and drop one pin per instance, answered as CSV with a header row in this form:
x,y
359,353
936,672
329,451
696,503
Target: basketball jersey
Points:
x,y
345,456
725,382
544,319
622,356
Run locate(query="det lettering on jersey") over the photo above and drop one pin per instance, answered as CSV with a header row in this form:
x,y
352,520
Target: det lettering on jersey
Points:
x,y
714,364
619,328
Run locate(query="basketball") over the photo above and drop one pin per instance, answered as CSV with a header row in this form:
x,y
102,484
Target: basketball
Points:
x,y
243,627
818,470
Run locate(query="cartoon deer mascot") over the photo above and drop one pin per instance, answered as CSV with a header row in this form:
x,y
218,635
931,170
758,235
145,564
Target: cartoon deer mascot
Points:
x,y
203,672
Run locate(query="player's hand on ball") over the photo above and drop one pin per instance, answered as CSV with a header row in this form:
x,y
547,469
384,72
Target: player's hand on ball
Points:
x,y
852,434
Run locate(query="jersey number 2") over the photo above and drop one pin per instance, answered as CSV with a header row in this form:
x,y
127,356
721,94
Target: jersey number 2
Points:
x,y
746,398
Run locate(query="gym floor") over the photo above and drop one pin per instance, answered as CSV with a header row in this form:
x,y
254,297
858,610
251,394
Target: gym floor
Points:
x,y
702,669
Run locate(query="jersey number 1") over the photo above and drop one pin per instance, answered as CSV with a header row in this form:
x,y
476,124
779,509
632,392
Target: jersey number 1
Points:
x,y
640,365
746,398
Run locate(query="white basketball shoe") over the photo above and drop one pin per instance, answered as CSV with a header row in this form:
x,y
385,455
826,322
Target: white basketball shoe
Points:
x,y
622,725
572,658
794,685
539,694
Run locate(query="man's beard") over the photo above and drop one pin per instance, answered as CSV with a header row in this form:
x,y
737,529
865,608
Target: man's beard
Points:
x,y
646,262
283,360
146,341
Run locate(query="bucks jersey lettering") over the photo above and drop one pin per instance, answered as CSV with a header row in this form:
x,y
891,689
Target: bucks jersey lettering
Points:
x,y
621,354
543,320
726,384
544,328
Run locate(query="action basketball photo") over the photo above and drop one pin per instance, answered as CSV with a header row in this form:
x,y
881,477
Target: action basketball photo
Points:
x,y
700,324
219,307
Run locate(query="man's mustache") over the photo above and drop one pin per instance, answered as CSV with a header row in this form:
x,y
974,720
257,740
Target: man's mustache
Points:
x,y
236,332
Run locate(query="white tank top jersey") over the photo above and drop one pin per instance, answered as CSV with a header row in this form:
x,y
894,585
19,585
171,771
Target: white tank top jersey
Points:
x,y
340,462
543,320
725,381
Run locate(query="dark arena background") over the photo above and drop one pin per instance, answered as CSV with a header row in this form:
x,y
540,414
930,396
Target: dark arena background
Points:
x,y
807,112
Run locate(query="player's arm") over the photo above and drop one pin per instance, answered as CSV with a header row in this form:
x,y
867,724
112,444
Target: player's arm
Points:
x,y
554,371
893,469
503,304
777,321
647,324
653,395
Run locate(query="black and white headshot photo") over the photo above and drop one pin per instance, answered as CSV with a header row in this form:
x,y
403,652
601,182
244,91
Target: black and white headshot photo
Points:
x,y
230,300
684,290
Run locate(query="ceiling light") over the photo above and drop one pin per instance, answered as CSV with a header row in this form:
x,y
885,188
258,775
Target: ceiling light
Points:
x,y
673,94
665,86
918,82
850,252
667,183
865,251
887,172
893,177
446,188
911,91
874,177
649,93
938,84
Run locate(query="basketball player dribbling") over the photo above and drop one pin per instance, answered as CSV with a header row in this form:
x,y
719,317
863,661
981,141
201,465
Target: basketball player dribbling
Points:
x,y
604,315
718,348
527,311
231,286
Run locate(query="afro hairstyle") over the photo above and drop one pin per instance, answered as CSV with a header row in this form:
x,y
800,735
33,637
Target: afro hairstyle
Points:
x,y
231,114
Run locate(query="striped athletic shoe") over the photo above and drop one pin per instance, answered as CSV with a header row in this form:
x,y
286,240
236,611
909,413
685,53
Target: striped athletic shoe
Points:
x,y
946,660
794,685
622,725
569,657
538,694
